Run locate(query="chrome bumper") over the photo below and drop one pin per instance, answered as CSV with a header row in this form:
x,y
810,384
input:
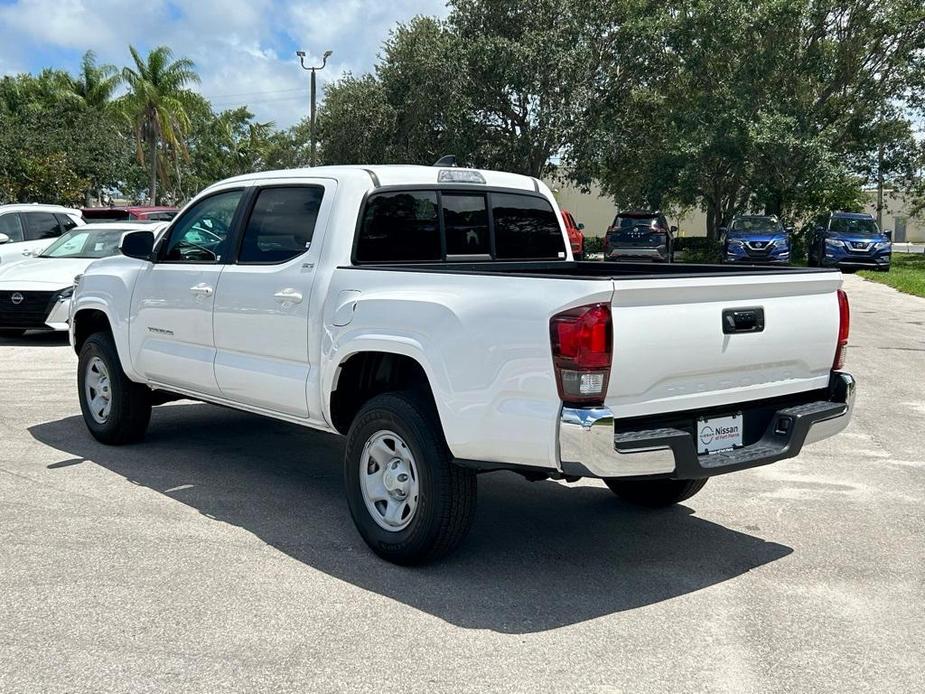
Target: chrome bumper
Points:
x,y
588,445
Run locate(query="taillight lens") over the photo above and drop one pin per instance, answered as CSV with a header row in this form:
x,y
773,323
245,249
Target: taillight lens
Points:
x,y
582,349
844,326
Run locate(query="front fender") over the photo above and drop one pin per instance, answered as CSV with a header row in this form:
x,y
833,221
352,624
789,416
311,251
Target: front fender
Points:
x,y
111,294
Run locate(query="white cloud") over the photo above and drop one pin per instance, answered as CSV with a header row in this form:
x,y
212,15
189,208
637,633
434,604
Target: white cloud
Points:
x,y
243,49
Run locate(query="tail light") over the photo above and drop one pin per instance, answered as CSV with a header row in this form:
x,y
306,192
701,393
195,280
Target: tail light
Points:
x,y
844,325
582,350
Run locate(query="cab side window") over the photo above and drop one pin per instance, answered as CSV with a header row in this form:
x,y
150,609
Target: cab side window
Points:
x,y
11,225
281,225
41,225
201,235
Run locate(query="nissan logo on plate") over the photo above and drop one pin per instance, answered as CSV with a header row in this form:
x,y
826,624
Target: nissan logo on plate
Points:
x,y
16,298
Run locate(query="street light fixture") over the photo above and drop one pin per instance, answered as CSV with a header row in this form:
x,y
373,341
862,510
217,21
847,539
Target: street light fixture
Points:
x,y
324,61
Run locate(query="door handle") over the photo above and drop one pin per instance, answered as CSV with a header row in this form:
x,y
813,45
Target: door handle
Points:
x,y
288,295
202,289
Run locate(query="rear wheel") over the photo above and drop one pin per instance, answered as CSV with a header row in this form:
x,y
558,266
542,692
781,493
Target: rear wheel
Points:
x,y
8,332
116,410
410,503
654,493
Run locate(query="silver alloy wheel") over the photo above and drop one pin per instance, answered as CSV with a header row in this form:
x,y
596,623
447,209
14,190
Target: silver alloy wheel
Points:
x,y
389,480
98,390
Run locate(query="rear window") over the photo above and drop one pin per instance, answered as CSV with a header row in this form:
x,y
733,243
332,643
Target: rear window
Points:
x,y
526,228
429,225
465,220
106,214
400,226
620,222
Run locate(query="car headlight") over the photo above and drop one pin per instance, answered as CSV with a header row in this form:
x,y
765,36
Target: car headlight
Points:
x,y
780,243
883,245
735,243
65,294
833,243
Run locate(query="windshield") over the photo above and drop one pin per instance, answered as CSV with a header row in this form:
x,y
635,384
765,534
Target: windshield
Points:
x,y
755,225
86,243
845,225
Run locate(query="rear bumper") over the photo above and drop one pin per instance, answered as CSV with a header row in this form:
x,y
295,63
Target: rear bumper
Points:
x,y
641,253
589,446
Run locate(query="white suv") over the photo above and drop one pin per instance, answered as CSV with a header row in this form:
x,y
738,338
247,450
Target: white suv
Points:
x,y
27,230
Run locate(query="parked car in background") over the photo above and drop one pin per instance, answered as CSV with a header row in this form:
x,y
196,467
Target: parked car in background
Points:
x,y
35,294
129,214
849,240
29,229
334,299
640,235
576,237
754,238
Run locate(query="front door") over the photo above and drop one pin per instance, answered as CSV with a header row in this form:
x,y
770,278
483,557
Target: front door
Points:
x,y
262,301
171,325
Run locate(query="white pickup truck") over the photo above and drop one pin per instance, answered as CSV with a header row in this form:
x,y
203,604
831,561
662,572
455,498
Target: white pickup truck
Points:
x,y
436,318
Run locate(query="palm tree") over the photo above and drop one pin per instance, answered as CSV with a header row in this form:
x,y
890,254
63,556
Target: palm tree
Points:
x,y
156,104
95,84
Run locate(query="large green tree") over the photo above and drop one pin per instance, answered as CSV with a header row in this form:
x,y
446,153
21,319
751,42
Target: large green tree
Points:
x,y
774,104
156,105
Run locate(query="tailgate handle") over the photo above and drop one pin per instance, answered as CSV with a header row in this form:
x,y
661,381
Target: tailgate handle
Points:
x,y
743,320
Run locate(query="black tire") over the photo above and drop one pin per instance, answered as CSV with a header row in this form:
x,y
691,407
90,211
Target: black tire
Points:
x,y
883,269
130,402
9,332
446,492
811,260
654,493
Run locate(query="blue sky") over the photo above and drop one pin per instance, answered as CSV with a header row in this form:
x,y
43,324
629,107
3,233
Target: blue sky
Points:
x,y
243,49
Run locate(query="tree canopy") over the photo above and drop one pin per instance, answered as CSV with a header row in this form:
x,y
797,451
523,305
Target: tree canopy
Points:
x,y
784,106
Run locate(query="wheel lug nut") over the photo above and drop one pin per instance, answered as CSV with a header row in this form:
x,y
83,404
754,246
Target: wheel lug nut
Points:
x,y
403,477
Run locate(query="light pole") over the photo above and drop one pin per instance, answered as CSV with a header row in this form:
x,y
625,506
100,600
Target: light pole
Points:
x,y
324,61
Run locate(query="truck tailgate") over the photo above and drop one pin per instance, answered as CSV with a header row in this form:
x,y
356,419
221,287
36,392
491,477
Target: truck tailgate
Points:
x,y
670,352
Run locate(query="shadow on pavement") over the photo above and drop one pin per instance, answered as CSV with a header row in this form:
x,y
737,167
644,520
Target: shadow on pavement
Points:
x,y
540,555
36,339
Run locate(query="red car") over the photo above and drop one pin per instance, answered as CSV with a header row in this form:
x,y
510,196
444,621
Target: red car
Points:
x,y
129,213
575,237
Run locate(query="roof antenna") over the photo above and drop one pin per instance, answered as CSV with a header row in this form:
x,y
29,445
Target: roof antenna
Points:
x,y
448,160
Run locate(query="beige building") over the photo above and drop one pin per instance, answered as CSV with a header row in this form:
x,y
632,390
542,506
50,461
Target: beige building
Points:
x,y
597,211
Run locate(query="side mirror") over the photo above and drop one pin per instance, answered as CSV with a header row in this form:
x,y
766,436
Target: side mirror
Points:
x,y
137,244
789,230
581,226
674,230
4,239
889,235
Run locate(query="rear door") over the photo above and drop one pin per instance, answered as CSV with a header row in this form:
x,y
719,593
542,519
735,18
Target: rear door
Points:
x,y
262,300
171,336
670,351
42,228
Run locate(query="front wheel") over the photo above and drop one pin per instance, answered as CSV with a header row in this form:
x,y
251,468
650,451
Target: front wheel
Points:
x,y
654,493
116,410
410,503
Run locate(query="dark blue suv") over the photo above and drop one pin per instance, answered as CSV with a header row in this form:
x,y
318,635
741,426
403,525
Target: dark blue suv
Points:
x,y
848,240
753,238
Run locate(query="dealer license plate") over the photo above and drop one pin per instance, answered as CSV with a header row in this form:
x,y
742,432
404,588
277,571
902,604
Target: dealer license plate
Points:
x,y
719,433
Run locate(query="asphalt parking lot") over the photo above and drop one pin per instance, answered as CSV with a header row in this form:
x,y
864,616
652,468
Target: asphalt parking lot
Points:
x,y
220,556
